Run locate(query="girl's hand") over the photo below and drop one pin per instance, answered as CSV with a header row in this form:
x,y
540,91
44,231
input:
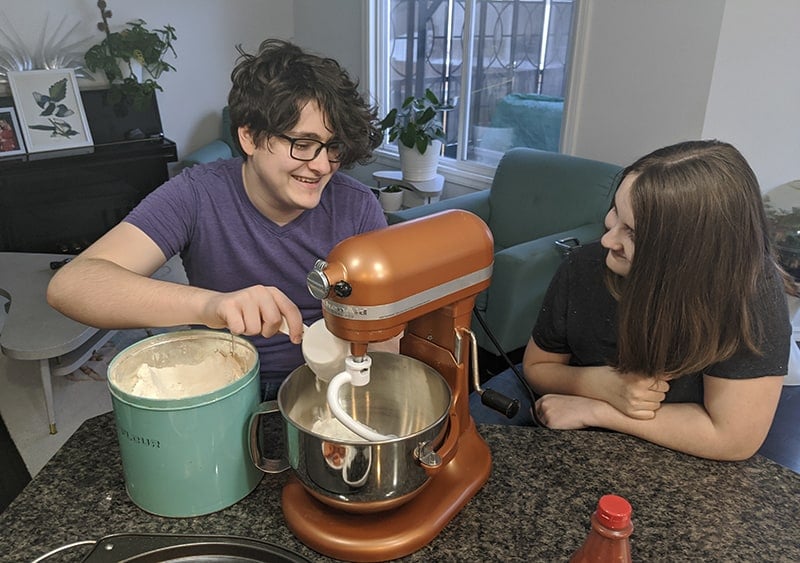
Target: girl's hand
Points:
x,y
634,395
568,412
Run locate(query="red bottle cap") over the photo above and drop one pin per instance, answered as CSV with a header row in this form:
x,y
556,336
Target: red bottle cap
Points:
x,y
613,512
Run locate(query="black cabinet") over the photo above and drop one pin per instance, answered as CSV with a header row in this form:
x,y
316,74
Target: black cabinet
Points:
x,y
64,203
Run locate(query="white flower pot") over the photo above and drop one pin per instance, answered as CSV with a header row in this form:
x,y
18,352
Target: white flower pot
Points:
x,y
418,167
391,201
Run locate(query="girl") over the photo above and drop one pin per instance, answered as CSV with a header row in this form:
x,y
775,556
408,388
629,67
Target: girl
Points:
x,y
674,327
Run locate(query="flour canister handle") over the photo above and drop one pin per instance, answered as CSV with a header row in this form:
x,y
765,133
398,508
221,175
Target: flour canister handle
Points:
x,y
265,464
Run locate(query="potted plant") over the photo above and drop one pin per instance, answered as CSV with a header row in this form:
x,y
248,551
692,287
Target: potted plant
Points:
x,y
416,126
786,233
122,55
391,197
783,214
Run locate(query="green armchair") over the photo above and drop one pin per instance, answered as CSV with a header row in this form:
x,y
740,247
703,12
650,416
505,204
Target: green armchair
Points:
x,y
536,199
224,147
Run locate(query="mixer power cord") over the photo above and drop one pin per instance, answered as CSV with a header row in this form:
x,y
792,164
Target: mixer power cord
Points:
x,y
531,394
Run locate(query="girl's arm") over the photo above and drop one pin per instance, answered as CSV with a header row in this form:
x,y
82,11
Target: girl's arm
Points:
x,y
632,394
731,424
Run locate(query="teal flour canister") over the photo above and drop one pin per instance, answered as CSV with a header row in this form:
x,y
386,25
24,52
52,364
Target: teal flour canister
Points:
x,y
182,403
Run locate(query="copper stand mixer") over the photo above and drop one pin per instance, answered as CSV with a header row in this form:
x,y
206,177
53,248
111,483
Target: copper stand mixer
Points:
x,y
420,278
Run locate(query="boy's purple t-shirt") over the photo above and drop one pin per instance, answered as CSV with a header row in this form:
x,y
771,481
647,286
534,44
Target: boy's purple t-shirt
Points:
x,y
226,244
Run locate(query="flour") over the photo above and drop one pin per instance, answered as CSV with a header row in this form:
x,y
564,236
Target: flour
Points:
x,y
331,428
214,371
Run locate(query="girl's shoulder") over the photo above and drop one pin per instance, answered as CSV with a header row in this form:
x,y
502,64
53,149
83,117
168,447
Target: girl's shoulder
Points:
x,y
587,258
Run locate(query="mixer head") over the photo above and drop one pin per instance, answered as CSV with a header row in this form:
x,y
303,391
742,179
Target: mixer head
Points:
x,y
373,284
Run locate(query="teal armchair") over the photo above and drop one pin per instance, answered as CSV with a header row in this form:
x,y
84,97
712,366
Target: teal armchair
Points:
x,y
224,147
536,198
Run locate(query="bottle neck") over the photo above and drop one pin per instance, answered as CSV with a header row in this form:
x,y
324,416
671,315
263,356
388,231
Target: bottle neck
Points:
x,y
604,544
611,533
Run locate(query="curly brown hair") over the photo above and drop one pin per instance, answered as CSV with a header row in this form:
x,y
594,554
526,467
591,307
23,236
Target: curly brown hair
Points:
x,y
271,88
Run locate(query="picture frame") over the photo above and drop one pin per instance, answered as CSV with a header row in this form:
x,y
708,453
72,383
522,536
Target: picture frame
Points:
x,y
11,143
50,111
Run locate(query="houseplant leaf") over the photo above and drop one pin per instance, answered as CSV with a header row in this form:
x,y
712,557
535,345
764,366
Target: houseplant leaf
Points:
x,y
416,122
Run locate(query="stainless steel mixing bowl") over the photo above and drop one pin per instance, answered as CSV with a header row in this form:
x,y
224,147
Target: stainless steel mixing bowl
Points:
x,y
405,398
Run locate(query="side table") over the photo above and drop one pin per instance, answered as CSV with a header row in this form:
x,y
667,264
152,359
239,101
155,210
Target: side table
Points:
x,y
426,191
34,331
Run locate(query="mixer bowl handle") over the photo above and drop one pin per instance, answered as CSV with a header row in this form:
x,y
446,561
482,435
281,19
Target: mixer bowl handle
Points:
x,y
432,461
258,458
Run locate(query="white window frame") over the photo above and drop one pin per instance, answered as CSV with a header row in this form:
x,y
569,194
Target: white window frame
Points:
x,y
469,174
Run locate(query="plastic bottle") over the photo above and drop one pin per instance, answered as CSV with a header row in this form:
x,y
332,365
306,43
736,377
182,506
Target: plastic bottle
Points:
x,y
608,540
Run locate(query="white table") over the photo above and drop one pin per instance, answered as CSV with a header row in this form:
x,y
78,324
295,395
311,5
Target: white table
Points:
x,y
34,331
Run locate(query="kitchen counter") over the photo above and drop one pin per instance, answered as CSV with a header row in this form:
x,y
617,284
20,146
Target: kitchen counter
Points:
x,y
535,507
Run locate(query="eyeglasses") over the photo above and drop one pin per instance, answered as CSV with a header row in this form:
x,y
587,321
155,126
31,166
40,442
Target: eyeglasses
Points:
x,y
309,149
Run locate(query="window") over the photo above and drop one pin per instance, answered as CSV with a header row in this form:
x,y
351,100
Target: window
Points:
x,y
517,53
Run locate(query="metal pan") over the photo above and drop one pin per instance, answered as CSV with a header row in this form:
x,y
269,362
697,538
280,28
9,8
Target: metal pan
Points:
x,y
163,548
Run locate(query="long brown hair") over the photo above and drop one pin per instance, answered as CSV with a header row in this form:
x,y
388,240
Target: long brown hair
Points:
x,y
702,249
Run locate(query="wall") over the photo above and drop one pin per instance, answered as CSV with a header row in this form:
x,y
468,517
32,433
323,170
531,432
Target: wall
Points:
x,y
652,73
207,30
322,27
641,76
755,91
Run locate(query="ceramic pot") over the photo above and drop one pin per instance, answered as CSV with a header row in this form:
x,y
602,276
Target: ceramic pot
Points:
x,y
391,201
418,167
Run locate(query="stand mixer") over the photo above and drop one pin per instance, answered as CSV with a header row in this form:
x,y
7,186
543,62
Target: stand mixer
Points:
x,y
419,278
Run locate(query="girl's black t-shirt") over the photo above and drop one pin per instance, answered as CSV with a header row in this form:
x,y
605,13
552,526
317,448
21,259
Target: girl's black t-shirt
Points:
x,y
579,317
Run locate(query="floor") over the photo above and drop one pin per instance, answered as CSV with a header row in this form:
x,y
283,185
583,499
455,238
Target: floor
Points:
x,y
25,442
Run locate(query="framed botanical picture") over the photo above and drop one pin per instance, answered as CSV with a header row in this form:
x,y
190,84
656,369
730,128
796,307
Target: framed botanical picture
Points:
x,y
50,110
10,135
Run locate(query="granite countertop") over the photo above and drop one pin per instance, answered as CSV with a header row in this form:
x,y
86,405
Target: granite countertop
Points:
x,y
535,507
